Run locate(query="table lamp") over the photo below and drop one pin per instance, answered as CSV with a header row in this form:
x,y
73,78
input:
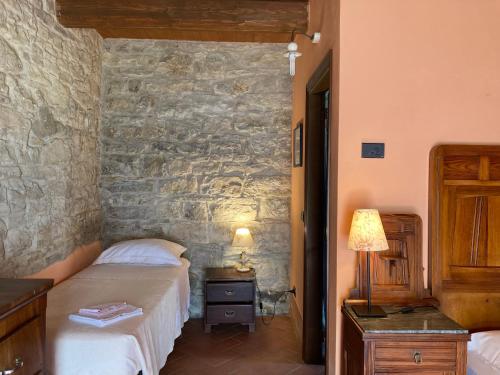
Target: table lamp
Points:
x,y
243,238
367,234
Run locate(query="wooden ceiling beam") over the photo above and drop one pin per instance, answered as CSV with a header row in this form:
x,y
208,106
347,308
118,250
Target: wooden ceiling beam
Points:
x,y
217,20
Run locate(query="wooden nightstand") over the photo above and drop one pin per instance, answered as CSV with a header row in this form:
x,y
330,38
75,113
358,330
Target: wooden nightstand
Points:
x,y
22,325
422,342
229,297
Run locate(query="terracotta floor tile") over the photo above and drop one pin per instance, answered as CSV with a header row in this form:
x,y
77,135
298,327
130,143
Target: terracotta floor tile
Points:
x,y
230,350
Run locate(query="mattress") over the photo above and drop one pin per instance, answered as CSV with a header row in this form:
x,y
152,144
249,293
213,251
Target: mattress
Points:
x,y
483,354
138,344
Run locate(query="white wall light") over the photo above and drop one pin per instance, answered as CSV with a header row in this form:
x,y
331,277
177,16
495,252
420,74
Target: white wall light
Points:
x,y
292,55
293,47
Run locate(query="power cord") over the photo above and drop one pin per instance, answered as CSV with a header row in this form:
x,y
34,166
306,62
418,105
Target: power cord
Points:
x,y
408,309
261,305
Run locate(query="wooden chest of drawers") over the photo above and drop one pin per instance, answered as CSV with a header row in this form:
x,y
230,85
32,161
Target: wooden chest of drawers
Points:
x,y
22,325
229,297
422,342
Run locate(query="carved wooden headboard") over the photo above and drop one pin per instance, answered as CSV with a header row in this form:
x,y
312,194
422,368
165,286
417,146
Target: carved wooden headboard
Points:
x,y
464,233
397,274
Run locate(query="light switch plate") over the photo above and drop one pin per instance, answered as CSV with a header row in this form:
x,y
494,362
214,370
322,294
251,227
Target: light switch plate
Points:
x,y
373,150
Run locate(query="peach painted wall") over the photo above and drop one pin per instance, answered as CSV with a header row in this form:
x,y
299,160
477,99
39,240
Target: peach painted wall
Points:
x,y
80,258
323,18
413,74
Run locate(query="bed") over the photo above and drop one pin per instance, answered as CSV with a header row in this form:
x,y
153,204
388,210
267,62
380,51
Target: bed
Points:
x,y
128,347
464,245
483,356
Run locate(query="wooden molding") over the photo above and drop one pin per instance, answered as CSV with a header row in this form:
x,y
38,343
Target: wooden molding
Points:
x,y
296,317
206,20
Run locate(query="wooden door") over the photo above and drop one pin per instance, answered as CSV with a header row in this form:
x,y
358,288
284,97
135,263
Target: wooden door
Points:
x,y
316,213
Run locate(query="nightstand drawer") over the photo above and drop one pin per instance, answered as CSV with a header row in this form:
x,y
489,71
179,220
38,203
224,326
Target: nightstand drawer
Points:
x,y
230,292
415,355
229,314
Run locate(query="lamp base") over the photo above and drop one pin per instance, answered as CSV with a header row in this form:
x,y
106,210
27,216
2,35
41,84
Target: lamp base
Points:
x,y
374,312
243,269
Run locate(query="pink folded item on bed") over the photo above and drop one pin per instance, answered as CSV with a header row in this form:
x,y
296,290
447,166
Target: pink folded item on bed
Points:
x,y
104,309
105,314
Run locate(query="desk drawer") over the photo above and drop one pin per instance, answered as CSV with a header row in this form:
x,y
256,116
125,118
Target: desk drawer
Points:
x,y
415,356
230,314
25,346
230,292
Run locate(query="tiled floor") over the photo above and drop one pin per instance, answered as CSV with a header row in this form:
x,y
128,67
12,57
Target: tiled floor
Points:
x,y
271,350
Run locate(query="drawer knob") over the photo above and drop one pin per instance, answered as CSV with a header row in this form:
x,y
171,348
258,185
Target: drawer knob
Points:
x,y
417,357
18,364
229,292
229,313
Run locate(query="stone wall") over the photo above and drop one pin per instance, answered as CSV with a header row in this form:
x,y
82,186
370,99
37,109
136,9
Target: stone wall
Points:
x,y
196,142
49,122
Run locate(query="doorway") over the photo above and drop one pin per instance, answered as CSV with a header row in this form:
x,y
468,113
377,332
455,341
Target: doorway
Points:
x,y
316,213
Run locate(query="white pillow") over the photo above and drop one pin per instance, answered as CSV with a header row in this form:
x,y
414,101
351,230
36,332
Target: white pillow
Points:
x,y
146,251
487,344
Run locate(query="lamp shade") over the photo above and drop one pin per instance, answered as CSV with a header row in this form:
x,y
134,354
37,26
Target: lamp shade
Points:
x,y
367,232
242,238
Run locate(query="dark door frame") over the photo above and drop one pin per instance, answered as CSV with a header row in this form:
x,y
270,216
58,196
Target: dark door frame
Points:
x,y
316,214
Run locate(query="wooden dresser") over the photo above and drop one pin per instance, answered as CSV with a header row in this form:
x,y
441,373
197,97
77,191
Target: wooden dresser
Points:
x,y
22,325
229,297
421,342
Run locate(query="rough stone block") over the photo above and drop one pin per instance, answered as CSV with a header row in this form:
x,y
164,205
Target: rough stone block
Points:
x,y
179,186
204,167
222,186
195,211
117,185
10,61
267,186
153,166
275,209
186,232
121,165
179,167
234,210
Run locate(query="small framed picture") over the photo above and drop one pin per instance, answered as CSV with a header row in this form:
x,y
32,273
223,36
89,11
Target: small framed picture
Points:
x,y
297,145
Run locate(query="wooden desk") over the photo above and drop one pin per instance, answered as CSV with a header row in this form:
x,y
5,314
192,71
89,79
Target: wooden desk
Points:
x,y
423,342
22,325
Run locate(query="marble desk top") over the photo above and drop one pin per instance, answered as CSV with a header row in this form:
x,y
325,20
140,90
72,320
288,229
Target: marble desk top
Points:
x,y
424,320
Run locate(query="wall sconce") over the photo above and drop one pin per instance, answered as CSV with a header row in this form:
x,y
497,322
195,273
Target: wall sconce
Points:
x,y
243,238
293,47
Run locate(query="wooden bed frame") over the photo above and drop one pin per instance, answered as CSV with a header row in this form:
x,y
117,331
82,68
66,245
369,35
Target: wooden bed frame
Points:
x,y
397,274
464,233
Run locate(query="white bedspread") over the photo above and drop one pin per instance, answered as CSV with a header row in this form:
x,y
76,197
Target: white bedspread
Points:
x,y
141,343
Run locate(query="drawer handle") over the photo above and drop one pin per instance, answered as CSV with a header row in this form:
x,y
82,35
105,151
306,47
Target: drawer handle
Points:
x,y
417,357
229,313
19,363
229,292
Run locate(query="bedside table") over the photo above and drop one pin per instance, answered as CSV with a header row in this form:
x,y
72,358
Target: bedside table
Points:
x,y
422,342
229,297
